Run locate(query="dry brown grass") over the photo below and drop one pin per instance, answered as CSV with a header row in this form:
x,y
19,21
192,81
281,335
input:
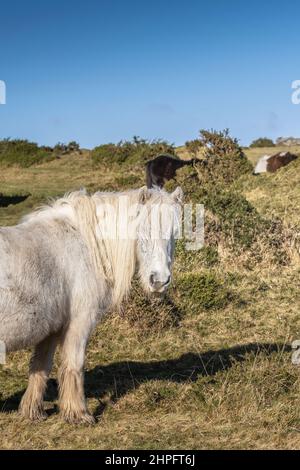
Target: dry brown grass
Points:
x,y
202,378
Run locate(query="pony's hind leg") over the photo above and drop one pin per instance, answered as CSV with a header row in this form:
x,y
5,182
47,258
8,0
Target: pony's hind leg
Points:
x,y
71,385
31,405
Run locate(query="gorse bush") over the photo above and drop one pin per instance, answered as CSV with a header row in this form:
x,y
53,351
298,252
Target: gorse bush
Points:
x,y
73,146
210,183
230,218
194,146
262,142
109,153
23,153
239,220
222,158
228,214
137,151
64,149
225,159
203,291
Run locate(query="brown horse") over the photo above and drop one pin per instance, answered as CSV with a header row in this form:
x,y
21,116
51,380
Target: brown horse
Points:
x,y
270,164
280,159
163,168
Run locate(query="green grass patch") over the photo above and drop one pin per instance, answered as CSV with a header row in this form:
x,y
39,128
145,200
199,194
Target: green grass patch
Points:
x,y
203,291
187,260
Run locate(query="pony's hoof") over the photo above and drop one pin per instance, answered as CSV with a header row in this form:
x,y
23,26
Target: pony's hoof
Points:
x,y
79,418
33,414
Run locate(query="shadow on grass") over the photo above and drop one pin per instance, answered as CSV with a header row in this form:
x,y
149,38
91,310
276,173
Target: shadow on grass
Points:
x,y
6,201
120,378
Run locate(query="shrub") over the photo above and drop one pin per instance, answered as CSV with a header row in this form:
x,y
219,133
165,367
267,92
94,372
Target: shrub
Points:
x,y
225,159
137,151
189,180
23,153
209,256
60,148
240,222
231,216
222,164
194,146
150,314
64,149
108,153
187,260
203,291
73,146
262,142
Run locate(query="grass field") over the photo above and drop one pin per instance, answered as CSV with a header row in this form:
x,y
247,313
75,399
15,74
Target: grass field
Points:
x,y
211,378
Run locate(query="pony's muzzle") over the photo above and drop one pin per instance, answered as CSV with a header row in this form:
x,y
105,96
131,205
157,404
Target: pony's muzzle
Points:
x,y
159,283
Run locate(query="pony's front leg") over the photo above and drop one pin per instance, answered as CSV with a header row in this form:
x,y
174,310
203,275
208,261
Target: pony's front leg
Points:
x,y
31,405
71,384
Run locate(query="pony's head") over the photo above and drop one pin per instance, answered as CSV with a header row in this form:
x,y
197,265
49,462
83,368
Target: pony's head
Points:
x,y
159,222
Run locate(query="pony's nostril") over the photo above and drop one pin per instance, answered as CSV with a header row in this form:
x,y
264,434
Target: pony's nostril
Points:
x,y
158,283
152,279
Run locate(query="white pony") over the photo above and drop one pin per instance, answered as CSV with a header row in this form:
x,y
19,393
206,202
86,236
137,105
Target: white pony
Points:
x,y
67,264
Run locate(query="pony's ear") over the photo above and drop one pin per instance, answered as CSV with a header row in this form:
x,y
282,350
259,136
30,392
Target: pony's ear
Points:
x,y
144,195
177,195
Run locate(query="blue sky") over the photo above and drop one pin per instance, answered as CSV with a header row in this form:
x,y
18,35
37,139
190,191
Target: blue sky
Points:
x,y
101,71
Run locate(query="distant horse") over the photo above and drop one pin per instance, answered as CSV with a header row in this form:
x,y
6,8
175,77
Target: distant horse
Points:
x,y
271,163
67,264
162,169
